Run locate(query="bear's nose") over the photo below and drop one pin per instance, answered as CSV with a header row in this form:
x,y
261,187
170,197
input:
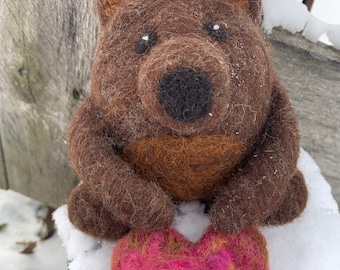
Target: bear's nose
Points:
x,y
185,94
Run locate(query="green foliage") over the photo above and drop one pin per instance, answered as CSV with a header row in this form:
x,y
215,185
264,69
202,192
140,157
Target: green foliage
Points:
x,y
3,226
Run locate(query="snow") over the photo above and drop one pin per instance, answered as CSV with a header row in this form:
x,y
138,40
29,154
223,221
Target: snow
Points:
x,y
310,242
19,214
333,34
293,16
289,14
315,28
81,250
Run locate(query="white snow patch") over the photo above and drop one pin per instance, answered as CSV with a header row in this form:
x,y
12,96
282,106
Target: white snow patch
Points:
x,y
191,220
19,214
289,14
81,249
294,17
315,28
333,34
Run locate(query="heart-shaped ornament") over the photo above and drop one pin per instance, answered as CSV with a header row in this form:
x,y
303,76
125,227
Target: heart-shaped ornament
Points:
x,y
165,250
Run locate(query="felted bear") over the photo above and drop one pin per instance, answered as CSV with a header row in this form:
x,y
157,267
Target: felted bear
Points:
x,y
184,105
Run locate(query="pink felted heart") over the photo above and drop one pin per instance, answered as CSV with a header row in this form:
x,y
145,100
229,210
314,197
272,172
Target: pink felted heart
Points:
x,y
169,249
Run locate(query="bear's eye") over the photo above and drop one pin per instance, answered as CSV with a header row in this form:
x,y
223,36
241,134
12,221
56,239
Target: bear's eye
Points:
x,y
146,41
215,30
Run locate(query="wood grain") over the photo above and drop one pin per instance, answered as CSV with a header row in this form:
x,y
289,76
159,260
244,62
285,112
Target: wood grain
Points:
x,y
3,173
47,48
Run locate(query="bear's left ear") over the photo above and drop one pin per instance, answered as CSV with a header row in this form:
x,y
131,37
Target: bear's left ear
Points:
x,y
106,9
252,7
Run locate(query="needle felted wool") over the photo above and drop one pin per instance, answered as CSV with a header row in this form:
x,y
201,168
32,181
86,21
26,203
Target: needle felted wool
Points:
x,y
170,250
184,105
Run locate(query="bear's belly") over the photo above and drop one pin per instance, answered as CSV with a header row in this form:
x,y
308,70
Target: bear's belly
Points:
x,y
188,168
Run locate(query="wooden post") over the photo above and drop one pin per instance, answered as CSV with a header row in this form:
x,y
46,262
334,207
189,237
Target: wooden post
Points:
x,y
3,172
46,52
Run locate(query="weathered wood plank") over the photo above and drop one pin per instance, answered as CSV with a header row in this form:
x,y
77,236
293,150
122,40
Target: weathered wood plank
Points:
x,y
311,73
3,173
44,69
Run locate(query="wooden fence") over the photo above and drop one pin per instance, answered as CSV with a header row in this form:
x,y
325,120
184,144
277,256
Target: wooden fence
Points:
x,y
46,53
47,49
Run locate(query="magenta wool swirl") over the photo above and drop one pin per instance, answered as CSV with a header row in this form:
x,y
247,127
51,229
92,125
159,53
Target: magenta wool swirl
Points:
x,y
169,249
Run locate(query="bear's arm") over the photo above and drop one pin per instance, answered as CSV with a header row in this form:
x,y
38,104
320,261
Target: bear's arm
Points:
x,y
259,186
110,180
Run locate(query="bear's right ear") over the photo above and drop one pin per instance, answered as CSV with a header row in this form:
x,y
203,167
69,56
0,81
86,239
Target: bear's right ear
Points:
x,y
106,9
255,9
252,7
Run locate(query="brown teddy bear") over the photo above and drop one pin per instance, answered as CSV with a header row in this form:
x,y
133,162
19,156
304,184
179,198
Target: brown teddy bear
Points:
x,y
185,105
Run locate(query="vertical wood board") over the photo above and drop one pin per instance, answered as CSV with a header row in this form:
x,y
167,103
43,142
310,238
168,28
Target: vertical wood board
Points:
x,y
3,173
47,49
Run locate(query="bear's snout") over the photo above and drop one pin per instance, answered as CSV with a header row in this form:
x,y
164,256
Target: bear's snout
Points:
x,y
185,81
185,94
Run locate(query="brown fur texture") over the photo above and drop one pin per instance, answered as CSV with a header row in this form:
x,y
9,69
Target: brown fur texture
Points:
x,y
106,9
133,158
188,168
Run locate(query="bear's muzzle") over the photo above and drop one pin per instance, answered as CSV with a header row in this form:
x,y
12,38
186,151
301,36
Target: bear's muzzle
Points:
x,y
184,83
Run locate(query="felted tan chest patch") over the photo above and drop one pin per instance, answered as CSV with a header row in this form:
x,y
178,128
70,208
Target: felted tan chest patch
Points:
x,y
188,168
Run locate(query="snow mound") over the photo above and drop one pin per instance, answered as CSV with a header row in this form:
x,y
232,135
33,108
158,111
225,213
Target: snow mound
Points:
x,y
18,212
294,17
310,242
83,252
333,34
289,14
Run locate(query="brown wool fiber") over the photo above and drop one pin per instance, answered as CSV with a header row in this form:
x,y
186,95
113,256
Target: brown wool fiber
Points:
x,y
273,163
251,123
106,9
187,168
